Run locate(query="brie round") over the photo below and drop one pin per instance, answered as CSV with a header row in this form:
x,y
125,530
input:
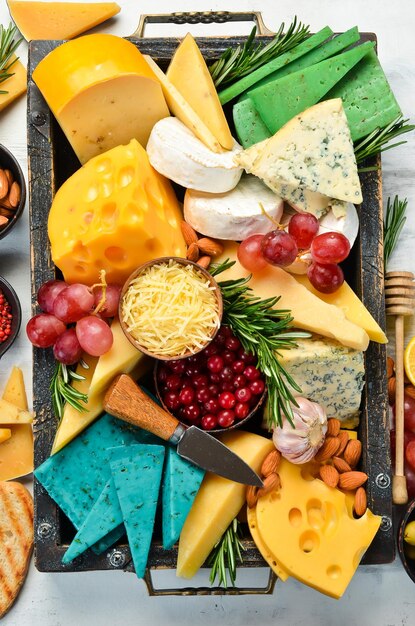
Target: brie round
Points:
x,y
236,214
175,152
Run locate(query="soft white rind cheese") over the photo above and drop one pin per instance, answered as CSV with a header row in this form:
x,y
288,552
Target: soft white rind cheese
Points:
x,y
178,154
236,214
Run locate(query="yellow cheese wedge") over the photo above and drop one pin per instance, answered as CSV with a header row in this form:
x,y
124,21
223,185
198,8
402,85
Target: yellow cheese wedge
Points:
x,y
308,311
182,109
323,543
16,454
217,503
102,92
189,73
15,85
265,552
58,20
5,433
354,309
11,414
115,213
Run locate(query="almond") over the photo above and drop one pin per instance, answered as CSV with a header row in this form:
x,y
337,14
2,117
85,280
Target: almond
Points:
x,y
251,496
390,367
272,482
392,389
360,502
189,233
4,184
353,452
341,465
352,480
333,427
343,437
410,391
204,261
9,176
14,194
271,463
193,252
329,475
210,247
3,220
327,450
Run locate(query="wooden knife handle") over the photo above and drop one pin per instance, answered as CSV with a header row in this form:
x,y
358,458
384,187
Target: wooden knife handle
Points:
x,y
125,400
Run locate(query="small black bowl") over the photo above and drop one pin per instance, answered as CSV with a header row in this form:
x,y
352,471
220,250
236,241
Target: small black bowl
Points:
x,y
11,297
407,552
9,162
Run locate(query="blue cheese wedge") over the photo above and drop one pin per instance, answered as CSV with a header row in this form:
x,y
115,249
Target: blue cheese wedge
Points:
x,y
328,373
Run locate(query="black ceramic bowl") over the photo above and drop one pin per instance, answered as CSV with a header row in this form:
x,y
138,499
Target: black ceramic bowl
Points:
x,y
9,162
406,551
11,297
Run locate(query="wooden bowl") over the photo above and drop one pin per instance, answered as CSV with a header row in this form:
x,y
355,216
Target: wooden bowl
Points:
x,y
8,161
13,300
408,563
181,261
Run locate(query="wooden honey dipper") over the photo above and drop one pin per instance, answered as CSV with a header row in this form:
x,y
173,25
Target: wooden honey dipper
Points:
x,y
400,301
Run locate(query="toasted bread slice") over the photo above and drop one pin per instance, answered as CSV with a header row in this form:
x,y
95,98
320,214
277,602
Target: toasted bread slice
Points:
x,y
16,540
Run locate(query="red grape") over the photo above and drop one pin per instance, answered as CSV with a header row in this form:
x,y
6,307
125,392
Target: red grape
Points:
x,y
112,298
48,292
44,329
410,453
303,227
330,248
250,254
67,348
279,248
73,303
325,278
409,413
94,335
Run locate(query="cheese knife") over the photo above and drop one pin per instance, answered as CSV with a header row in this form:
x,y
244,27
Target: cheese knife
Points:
x,y
125,400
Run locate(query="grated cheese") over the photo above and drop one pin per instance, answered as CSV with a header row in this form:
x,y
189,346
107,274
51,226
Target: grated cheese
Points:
x,y
171,309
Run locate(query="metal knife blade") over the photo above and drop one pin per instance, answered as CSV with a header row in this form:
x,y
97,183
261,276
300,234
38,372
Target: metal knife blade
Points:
x,y
209,453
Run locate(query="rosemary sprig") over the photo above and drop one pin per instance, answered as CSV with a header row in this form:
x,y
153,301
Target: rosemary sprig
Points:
x,y
394,220
7,47
224,556
237,62
263,331
377,140
63,392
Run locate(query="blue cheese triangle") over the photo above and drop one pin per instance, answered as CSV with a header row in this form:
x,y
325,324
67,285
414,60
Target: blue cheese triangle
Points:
x,y
313,151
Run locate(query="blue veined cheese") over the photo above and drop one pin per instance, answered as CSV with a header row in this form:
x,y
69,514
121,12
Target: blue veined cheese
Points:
x,y
313,151
328,373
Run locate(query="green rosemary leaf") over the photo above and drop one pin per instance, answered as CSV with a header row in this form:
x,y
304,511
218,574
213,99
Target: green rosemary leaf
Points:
x,y
62,392
377,141
225,555
8,46
394,221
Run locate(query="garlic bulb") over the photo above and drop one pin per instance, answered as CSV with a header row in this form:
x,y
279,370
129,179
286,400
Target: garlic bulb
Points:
x,y
301,444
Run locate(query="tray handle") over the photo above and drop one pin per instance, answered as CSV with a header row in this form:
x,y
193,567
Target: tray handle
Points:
x,y
210,591
202,17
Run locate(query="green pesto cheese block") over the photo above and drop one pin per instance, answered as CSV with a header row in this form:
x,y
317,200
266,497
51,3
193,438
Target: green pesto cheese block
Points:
x,y
137,479
75,476
181,482
368,100
325,51
249,126
104,517
106,542
233,91
281,100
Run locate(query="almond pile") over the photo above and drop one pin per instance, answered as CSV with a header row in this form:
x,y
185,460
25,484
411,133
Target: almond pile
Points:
x,y
270,476
10,194
409,388
200,250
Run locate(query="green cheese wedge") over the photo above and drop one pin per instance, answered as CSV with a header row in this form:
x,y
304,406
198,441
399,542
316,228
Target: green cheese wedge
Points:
x,y
137,479
368,100
233,91
249,126
280,101
181,482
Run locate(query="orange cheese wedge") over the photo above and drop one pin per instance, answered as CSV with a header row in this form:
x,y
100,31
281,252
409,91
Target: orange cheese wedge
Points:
x,y
15,86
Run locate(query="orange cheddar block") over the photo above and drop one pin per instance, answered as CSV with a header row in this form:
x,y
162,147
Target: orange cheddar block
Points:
x,y
102,92
115,213
58,20
15,86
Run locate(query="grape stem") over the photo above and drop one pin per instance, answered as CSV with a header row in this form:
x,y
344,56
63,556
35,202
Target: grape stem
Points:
x,y
271,219
103,285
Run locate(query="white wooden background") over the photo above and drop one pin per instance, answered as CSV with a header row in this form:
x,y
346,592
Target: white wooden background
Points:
x,y
381,596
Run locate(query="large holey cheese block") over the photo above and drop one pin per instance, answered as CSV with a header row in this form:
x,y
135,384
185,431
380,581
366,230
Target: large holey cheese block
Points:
x,y
115,213
308,311
102,92
309,531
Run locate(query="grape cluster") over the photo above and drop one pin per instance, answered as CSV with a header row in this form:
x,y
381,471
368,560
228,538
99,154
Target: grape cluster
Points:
x,y
63,305
281,248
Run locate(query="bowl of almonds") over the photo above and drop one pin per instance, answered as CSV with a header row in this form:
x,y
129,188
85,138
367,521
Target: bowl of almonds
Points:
x,y
12,191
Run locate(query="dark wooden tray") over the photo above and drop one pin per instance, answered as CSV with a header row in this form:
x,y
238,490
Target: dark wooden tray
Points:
x,y
51,161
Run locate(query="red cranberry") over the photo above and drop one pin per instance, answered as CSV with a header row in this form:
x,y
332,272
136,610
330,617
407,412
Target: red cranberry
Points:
x,y
215,364
192,370
214,390
209,421
227,400
228,356
243,395
203,394
173,382
226,418
239,381
238,366
187,395
232,343
192,412
227,385
257,387
199,380
162,374
226,374
178,366
211,406
246,357
221,336
215,378
211,349
241,410
171,400
252,373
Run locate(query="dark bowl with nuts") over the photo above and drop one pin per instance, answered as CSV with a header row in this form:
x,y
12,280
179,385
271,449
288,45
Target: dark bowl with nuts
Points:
x,y
10,315
12,191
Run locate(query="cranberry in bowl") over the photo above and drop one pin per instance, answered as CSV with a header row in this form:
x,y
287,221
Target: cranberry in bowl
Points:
x,y
10,315
220,388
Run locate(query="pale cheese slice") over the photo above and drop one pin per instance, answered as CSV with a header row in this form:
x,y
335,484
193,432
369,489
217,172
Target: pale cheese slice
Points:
x,y
314,150
11,414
